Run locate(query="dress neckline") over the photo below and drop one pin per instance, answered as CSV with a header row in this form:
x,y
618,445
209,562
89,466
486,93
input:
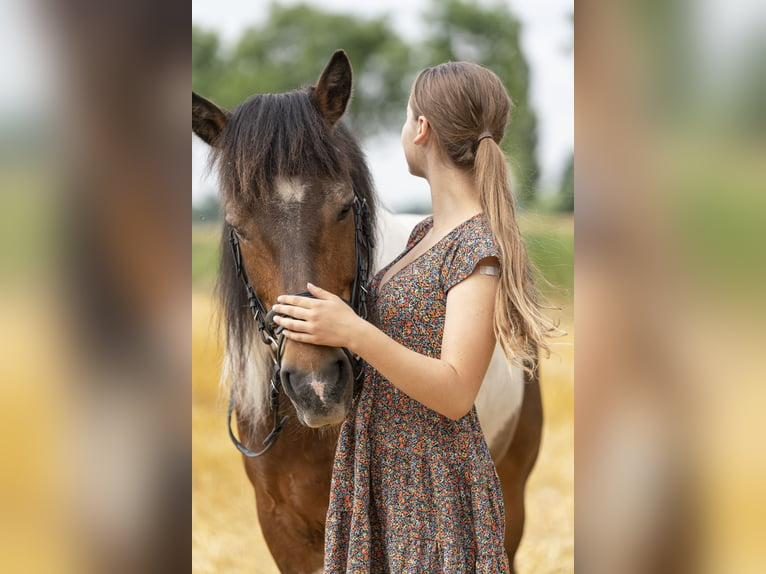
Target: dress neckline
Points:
x,y
427,226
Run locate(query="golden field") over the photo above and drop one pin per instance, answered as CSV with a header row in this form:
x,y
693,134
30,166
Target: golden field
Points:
x,y
225,533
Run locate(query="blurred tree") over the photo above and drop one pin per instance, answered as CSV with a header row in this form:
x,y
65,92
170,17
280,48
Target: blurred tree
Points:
x,y
207,61
750,91
291,48
566,192
293,44
489,35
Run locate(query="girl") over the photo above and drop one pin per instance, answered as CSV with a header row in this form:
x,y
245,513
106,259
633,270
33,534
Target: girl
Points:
x,y
414,488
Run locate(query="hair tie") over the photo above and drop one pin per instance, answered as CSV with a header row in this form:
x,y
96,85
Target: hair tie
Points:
x,y
484,135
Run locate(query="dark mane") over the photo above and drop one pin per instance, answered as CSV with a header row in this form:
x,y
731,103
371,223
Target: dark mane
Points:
x,y
275,135
266,137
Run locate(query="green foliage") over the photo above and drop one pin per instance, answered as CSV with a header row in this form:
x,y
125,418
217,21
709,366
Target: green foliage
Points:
x,y
30,225
205,254
207,61
490,36
549,240
553,255
749,110
566,192
290,50
294,43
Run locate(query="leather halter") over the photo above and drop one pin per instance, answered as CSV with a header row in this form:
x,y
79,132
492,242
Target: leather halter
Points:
x,y
272,335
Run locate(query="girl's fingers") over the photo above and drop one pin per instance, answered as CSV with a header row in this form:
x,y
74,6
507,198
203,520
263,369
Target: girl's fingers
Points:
x,y
297,301
299,337
293,325
292,311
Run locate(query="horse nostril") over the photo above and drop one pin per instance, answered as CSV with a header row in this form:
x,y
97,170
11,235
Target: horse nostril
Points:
x,y
341,366
284,376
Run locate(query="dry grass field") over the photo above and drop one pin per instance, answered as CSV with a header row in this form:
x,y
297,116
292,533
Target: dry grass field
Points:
x,y
225,533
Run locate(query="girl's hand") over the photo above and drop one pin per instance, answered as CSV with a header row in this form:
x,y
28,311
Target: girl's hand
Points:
x,y
326,320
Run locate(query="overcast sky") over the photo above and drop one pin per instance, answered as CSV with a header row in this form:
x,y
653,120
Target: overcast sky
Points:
x,y
547,39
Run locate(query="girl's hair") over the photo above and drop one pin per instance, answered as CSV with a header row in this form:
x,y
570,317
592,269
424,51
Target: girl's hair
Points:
x,y
464,103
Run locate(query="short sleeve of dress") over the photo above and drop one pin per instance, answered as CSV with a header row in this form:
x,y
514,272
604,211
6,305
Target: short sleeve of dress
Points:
x,y
474,243
419,231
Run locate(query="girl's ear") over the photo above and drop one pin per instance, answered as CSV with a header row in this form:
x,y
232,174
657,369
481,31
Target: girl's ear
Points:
x,y
423,131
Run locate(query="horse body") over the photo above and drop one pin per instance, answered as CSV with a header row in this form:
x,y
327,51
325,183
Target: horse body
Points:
x,y
288,199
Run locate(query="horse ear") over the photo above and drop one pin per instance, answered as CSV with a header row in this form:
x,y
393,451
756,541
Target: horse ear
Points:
x,y
333,89
208,120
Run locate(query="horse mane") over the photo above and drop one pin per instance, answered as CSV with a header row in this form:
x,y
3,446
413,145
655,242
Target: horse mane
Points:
x,y
266,137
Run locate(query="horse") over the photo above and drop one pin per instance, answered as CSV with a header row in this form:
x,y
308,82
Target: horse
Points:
x,y
300,206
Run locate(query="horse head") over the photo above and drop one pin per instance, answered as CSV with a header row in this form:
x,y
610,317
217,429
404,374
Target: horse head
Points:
x,y
290,172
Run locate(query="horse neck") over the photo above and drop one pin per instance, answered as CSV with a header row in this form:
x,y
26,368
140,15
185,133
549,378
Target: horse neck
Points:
x,y
393,231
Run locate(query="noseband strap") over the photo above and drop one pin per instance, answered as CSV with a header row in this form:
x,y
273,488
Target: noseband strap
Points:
x,y
273,336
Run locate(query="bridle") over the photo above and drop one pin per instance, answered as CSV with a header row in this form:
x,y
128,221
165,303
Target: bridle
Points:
x,y
272,335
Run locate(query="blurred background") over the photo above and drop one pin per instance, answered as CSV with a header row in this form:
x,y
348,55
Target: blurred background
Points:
x,y
95,267
243,48
240,49
670,180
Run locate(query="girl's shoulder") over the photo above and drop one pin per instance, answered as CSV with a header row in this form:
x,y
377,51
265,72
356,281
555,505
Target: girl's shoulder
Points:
x,y
476,230
419,231
473,231
472,236
472,243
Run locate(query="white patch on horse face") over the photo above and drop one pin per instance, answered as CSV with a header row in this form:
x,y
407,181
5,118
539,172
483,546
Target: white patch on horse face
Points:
x,y
290,189
319,387
499,401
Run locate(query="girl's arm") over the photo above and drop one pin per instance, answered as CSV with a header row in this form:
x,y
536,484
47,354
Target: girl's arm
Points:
x,y
448,385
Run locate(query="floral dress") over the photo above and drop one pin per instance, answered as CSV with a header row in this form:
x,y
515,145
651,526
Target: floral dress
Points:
x,y
412,490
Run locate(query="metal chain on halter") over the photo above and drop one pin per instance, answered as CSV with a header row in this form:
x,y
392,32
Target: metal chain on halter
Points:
x,y
272,335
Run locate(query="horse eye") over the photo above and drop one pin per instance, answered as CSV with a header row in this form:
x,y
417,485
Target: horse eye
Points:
x,y
342,215
241,234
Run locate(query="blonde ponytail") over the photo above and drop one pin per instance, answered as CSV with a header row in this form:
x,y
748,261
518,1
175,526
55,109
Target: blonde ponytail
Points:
x,y
520,326
468,108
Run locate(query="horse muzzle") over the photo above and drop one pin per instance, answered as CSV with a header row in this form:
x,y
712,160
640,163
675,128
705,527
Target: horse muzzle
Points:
x,y
320,385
